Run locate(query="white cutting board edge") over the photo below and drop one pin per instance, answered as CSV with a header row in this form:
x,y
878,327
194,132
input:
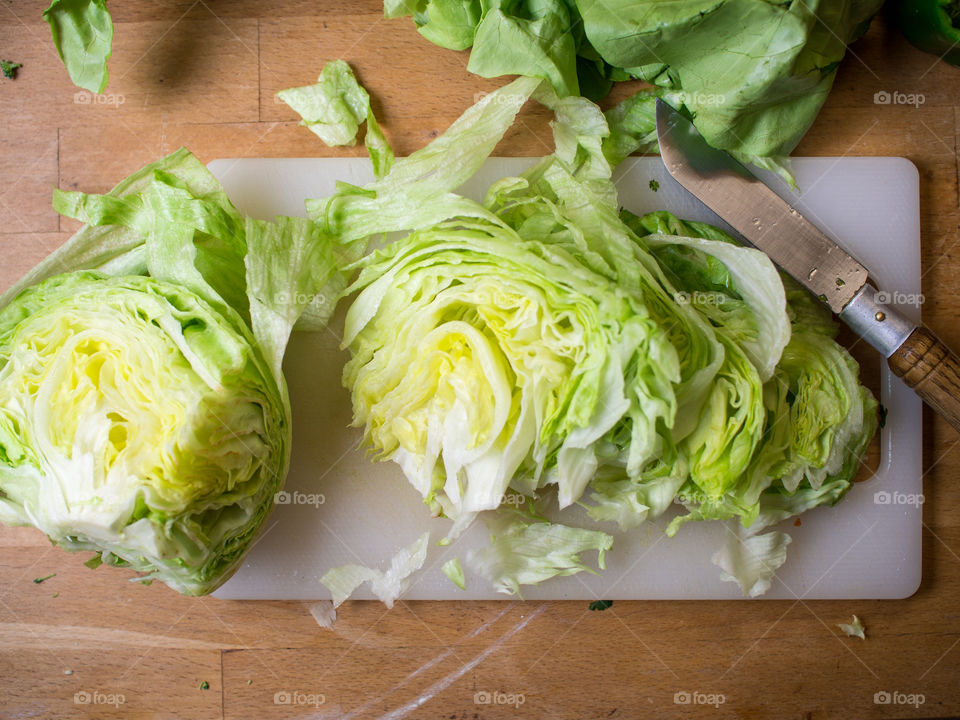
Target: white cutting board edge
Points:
x,y
858,549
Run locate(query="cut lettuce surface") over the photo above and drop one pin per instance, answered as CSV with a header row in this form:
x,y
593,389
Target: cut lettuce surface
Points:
x,y
544,344
143,411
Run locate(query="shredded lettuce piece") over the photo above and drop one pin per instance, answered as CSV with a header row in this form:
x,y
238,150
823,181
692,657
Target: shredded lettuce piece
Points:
x,y
386,585
854,628
525,551
454,571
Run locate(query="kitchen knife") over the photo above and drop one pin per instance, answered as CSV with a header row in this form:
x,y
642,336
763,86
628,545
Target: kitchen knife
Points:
x,y
798,247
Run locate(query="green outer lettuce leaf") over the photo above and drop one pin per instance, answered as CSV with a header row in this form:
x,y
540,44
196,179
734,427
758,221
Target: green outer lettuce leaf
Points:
x,y
753,74
83,35
538,44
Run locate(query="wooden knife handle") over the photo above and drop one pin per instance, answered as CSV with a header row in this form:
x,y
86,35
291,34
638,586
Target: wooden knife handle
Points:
x,y
932,370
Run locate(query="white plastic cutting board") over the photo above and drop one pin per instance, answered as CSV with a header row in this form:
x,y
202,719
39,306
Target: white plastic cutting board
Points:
x,y
861,548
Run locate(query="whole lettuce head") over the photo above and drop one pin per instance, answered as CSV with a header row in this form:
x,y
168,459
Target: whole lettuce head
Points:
x,y
143,413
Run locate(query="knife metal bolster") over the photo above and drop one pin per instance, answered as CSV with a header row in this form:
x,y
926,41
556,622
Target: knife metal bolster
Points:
x,y
882,326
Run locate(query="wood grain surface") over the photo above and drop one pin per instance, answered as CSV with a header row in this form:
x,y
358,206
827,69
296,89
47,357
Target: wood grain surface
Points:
x,y
203,74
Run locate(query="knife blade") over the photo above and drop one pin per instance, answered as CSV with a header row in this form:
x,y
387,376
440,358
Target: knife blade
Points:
x,y
802,250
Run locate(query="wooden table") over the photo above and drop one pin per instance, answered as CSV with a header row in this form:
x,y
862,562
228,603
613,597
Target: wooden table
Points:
x,y
203,74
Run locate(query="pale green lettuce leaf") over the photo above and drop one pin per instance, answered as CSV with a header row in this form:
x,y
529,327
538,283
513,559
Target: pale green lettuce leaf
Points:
x,y
751,561
83,35
290,266
756,280
117,249
335,107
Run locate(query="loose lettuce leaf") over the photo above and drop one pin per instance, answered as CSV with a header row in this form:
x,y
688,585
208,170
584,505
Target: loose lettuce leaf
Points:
x,y
83,35
751,560
335,107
